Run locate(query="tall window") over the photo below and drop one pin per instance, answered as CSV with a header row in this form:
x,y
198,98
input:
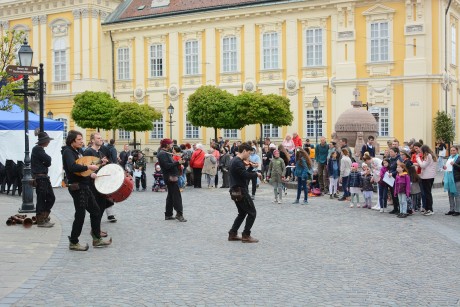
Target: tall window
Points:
x,y
158,129
59,60
311,124
454,45
380,37
64,121
270,50
314,39
454,120
230,133
384,122
123,134
156,60
191,57
229,54
191,132
270,131
123,63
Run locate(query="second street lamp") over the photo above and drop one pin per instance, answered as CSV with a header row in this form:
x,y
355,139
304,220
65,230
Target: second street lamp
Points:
x,y
25,55
171,112
315,104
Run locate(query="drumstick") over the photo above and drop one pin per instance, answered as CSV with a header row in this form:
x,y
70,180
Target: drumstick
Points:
x,y
103,175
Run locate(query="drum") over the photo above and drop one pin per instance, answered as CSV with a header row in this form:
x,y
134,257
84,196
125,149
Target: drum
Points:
x,y
114,183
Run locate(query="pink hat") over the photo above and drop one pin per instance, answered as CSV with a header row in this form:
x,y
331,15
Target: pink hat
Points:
x,y
354,164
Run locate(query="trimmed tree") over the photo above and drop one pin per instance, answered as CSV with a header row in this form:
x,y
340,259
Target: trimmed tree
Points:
x,y
94,110
8,43
131,116
212,107
444,127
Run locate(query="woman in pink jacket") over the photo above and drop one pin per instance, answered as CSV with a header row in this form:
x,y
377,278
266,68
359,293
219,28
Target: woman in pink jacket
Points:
x,y
428,166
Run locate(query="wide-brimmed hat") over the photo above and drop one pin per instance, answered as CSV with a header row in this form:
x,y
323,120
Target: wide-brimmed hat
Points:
x,y
43,138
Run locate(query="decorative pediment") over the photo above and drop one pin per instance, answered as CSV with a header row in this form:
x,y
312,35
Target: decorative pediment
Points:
x,y
378,12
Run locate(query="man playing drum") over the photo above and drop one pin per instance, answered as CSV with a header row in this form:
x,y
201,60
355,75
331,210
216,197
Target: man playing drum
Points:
x,y
79,189
95,151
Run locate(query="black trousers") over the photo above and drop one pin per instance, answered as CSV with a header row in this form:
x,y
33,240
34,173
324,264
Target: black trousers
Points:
x,y
254,185
45,195
197,177
174,199
427,185
83,200
246,210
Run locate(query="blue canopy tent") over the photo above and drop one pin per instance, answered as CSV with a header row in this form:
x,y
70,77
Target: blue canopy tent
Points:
x,y
12,139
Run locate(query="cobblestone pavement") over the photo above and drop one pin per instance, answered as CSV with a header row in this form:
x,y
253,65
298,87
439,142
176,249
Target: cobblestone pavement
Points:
x,y
321,254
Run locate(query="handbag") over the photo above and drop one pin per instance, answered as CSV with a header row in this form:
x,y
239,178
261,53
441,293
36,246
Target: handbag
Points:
x,y
173,178
236,194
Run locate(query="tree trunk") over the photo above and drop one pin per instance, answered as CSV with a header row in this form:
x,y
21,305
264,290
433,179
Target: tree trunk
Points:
x,y
134,143
261,136
215,134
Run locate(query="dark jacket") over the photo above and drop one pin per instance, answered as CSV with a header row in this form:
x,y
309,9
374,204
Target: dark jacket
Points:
x,y
239,174
69,156
393,165
112,154
330,169
40,161
370,150
456,170
354,180
169,167
124,158
366,182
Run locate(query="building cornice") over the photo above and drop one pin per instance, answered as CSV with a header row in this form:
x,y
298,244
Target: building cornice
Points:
x,y
241,13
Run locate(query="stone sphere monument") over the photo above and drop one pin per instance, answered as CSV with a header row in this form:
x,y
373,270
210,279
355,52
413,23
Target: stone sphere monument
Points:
x,y
356,124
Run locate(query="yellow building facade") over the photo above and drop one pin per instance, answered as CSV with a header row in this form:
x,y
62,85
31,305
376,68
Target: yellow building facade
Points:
x,y
158,52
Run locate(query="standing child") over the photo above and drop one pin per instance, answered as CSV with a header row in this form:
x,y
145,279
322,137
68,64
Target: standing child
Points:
x,y
302,172
402,189
129,167
354,183
383,186
276,172
333,169
368,188
415,191
210,167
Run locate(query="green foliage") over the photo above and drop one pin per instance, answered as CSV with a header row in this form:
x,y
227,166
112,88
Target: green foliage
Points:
x,y
131,116
94,110
212,107
443,127
8,43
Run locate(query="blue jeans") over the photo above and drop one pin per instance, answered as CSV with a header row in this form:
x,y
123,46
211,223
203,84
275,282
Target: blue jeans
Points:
x,y
302,185
383,196
346,190
402,203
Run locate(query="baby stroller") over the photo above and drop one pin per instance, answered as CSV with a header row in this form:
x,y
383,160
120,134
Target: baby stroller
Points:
x,y
159,184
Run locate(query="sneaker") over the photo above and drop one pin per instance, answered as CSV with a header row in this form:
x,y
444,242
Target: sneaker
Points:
x,y
285,190
101,243
169,218
253,197
342,199
393,212
428,212
305,202
358,206
456,214
351,206
376,207
330,196
449,213
280,201
112,218
402,215
180,218
78,247
295,202
382,210
336,195
365,206
275,200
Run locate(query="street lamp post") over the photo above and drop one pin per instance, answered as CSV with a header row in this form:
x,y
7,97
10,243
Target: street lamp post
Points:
x,y
25,55
171,112
315,104
40,95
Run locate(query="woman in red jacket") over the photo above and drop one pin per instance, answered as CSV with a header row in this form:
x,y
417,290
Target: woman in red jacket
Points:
x,y
197,163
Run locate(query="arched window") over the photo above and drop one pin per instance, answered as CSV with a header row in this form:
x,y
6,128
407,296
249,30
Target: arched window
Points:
x,y
63,120
59,60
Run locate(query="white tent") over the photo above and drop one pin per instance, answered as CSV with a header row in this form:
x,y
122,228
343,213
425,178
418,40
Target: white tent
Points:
x,y
12,140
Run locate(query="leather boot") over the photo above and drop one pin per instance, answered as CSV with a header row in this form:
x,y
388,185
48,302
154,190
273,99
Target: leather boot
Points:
x,y
232,236
248,239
